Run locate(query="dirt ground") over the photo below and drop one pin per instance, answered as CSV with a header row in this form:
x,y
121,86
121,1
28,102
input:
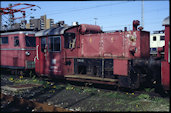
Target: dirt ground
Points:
x,y
84,97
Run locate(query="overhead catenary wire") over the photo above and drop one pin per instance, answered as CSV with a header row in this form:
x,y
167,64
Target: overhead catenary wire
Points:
x,y
118,16
90,18
100,17
81,9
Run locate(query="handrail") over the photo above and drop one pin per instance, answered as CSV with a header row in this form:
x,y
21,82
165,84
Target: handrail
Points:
x,y
37,52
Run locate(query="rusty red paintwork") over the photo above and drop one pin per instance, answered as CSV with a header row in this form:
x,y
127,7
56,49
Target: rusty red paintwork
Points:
x,y
21,105
120,67
15,56
165,75
85,28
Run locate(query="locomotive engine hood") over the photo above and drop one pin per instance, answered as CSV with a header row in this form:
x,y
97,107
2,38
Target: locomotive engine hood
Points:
x,y
86,28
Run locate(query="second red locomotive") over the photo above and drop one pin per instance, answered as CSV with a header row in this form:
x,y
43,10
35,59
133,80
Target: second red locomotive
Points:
x,y
18,50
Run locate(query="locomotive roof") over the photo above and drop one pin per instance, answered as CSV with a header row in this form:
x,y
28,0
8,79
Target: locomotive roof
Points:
x,y
166,21
53,31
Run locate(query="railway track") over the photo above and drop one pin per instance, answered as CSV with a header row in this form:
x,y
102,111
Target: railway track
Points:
x,y
15,104
40,99
106,87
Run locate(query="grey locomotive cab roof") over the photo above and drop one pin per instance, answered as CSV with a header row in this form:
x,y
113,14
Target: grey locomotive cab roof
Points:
x,y
166,21
52,31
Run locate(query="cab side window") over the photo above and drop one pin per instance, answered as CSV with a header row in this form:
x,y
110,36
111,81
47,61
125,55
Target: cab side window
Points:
x,y
69,40
43,44
3,40
54,43
16,41
30,41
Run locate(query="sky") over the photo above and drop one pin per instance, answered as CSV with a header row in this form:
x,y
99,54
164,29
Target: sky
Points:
x,y
109,15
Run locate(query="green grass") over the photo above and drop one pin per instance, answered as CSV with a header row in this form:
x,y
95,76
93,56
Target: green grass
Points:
x,y
81,89
90,90
144,96
23,80
28,81
69,87
148,90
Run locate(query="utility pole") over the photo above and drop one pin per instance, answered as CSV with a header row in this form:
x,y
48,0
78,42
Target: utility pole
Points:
x,y
11,20
95,20
142,13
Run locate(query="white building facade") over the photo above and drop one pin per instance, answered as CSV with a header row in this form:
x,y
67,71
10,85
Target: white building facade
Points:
x,y
157,39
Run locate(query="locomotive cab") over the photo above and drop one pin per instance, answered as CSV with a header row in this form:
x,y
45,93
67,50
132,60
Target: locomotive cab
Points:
x,y
49,51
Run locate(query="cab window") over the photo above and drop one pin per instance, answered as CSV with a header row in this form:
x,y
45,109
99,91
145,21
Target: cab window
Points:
x,y
43,44
3,40
16,41
69,40
54,44
30,41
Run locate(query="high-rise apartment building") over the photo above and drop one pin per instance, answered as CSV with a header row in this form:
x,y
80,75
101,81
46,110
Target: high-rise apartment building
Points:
x,y
43,22
28,26
35,24
49,23
40,24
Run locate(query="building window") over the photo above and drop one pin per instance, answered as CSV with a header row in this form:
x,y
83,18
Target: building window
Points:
x,y
154,49
162,37
4,40
54,44
154,38
16,41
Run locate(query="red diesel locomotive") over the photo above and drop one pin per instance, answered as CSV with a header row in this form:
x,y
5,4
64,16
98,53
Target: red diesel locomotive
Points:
x,y
85,53
18,50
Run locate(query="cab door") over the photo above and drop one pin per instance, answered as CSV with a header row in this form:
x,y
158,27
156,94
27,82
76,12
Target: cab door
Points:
x,y
49,56
41,52
54,58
